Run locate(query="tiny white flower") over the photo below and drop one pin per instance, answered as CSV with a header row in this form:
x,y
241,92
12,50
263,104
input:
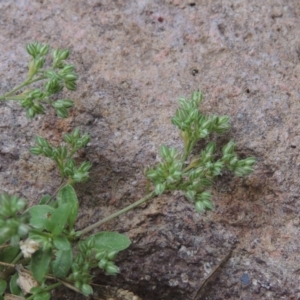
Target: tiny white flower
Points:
x,y
28,247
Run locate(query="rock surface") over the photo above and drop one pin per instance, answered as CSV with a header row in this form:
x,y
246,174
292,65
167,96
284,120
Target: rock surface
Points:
x,y
135,59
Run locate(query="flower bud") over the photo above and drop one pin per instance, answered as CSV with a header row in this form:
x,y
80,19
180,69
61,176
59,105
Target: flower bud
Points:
x,y
164,151
67,138
38,108
100,254
233,161
205,196
70,85
76,133
80,177
47,151
68,171
79,259
36,94
71,77
208,204
249,161
68,69
35,150
82,246
78,285
85,268
197,96
39,62
229,148
31,49
70,163
63,54
44,49
21,204
190,195
91,242
199,206
23,229
102,263
62,112
159,188
41,141
50,74
55,53
30,113
86,289
62,152
112,255
85,139
68,103
85,166
111,269
203,133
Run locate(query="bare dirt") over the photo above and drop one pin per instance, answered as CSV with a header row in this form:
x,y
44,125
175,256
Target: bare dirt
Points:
x,y
135,59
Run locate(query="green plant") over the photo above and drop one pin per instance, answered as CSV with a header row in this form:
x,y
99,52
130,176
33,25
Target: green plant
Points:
x,y
55,78
40,244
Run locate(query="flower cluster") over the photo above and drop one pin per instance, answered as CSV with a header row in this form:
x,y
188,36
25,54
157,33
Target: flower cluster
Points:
x,y
55,78
195,176
13,224
63,155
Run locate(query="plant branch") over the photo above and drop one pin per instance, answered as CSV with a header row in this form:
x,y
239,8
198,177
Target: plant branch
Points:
x,y
116,214
26,82
48,288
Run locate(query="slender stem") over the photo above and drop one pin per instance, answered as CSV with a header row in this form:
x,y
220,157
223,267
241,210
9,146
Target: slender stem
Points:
x,y
6,264
48,288
17,258
116,214
26,82
14,90
41,233
53,286
56,191
12,98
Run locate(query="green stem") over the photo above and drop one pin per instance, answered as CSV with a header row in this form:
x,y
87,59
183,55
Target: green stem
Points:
x,y
17,258
47,289
57,190
41,233
116,214
26,82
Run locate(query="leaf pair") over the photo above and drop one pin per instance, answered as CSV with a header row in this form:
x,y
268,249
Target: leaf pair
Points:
x,y
52,219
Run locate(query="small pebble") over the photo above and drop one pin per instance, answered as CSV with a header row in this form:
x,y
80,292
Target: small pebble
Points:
x,y
245,279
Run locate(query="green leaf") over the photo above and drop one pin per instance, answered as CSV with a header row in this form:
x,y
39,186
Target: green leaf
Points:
x,y
40,215
86,289
208,204
61,243
42,296
199,206
110,241
9,253
13,286
68,195
36,290
3,285
62,263
160,188
40,263
59,218
45,199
